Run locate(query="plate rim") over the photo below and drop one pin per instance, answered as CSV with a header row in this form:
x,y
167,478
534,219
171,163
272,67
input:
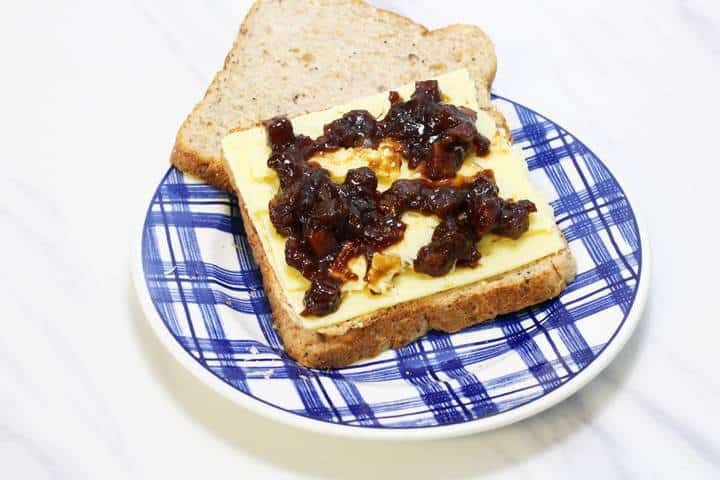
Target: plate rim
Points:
x,y
615,344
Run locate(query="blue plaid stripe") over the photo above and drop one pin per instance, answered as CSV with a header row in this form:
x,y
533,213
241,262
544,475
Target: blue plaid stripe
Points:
x,y
450,364
212,302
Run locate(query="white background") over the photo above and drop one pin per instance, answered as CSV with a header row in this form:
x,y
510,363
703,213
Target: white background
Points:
x,y
91,97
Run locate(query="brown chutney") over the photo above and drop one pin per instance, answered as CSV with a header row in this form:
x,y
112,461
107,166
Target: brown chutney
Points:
x,y
328,223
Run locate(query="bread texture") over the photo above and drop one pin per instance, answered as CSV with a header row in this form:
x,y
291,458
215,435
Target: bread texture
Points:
x,y
293,57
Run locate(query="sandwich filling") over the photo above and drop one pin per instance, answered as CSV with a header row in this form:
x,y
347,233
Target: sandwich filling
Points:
x,y
328,224
393,200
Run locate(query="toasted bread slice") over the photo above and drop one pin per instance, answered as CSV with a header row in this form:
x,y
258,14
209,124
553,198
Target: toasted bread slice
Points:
x,y
300,56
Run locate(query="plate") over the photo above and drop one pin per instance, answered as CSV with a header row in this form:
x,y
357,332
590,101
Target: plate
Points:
x,y
202,293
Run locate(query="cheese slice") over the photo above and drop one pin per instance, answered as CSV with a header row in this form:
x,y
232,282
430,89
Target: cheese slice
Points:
x,y
246,153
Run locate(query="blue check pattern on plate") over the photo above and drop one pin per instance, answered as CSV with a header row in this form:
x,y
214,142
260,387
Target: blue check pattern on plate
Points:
x,y
208,291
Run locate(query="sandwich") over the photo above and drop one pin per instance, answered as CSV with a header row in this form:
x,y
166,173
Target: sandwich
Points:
x,y
379,189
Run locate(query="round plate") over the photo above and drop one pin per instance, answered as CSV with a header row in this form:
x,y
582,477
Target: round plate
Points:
x,y
203,295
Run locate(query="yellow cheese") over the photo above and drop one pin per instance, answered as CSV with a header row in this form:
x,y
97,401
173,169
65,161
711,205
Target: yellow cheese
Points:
x,y
247,152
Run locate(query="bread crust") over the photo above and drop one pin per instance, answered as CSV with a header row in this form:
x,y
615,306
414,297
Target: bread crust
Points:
x,y
183,156
393,327
210,168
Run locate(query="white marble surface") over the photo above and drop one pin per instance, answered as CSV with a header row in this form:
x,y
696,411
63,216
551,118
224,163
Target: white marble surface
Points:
x,y
92,96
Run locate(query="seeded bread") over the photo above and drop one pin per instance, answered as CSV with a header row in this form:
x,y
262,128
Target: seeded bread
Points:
x,y
298,56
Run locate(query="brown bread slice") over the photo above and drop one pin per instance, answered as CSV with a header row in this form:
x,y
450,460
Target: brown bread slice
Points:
x,y
298,56
448,311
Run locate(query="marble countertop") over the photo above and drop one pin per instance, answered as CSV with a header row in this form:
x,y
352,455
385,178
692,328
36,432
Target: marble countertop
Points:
x,y
92,95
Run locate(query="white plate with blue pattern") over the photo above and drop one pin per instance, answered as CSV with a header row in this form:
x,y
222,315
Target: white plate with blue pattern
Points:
x,y
202,293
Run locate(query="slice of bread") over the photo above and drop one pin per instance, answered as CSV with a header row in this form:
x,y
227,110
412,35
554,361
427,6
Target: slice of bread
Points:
x,y
449,311
298,56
